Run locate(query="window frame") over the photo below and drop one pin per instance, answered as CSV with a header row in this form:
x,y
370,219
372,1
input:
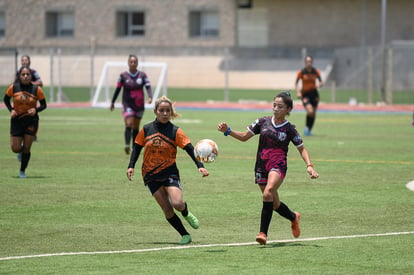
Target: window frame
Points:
x,y
125,27
60,24
2,23
204,27
245,4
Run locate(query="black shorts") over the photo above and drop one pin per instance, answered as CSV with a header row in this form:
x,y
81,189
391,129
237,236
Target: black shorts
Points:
x,y
26,125
154,185
128,111
311,98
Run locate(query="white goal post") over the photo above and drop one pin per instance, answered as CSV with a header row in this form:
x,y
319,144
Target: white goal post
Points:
x,y
156,71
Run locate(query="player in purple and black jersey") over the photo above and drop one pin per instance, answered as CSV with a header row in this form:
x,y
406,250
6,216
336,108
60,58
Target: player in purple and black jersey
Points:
x,y
271,161
133,99
36,79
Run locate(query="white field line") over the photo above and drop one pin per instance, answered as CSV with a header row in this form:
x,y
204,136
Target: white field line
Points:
x,y
201,246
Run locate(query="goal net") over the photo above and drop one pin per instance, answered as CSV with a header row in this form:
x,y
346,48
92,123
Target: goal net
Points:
x,y
156,71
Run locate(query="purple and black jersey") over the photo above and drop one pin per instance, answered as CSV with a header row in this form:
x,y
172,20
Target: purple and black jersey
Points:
x,y
273,144
133,95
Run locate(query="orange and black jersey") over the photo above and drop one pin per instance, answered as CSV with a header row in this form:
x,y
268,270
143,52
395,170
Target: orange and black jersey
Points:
x,y
24,97
160,142
309,79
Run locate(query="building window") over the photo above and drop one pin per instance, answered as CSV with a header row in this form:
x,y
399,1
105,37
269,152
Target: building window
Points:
x,y
60,24
204,23
2,24
130,23
245,4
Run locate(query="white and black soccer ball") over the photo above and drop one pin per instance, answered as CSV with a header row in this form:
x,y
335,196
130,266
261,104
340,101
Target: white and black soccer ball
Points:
x,y
206,150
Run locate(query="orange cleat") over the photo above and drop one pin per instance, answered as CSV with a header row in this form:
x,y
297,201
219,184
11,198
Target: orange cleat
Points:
x,y
295,226
261,238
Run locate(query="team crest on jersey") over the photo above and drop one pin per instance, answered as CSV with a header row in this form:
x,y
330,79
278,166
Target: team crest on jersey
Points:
x,y
254,123
297,138
139,81
281,136
156,142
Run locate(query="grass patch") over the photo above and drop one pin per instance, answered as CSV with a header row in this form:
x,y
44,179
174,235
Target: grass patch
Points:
x,y
77,198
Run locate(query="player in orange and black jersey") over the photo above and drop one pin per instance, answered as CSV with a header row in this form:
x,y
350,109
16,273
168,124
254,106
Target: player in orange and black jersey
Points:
x,y
36,79
311,81
24,115
160,140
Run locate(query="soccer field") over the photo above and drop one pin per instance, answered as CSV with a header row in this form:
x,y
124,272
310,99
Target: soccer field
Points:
x,y
76,212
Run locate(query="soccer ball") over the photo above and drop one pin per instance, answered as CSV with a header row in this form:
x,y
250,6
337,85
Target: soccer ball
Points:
x,y
206,150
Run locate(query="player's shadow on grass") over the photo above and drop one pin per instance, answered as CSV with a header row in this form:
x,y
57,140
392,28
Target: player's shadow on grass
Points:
x,y
32,177
215,251
287,244
168,243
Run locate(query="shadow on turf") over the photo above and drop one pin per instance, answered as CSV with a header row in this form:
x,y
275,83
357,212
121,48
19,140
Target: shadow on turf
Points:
x,y
31,177
286,244
163,243
216,251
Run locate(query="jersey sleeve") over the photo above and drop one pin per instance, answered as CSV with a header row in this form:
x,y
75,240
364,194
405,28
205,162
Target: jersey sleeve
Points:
x,y
140,138
181,139
40,93
120,81
318,75
299,75
9,91
35,75
146,79
295,137
255,127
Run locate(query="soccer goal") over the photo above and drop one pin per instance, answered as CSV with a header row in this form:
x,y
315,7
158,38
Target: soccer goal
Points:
x,y
156,71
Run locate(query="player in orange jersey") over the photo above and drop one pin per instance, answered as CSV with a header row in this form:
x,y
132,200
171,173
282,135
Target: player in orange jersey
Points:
x,y
311,81
24,114
160,139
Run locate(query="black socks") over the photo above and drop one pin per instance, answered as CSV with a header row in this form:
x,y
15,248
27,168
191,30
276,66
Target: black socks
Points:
x,y
127,135
25,161
310,120
178,225
285,212
185,211
266,217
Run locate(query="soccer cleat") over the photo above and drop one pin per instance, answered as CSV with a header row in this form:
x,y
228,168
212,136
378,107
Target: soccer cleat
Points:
x,y
192,220
261,238
295,226
22,175
19,157
127,150
186,239
307,132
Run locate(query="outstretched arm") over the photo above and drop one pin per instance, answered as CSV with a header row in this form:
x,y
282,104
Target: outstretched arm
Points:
x,y
227,131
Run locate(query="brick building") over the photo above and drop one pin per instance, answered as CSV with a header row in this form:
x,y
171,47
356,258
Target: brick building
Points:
x,y
167,29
